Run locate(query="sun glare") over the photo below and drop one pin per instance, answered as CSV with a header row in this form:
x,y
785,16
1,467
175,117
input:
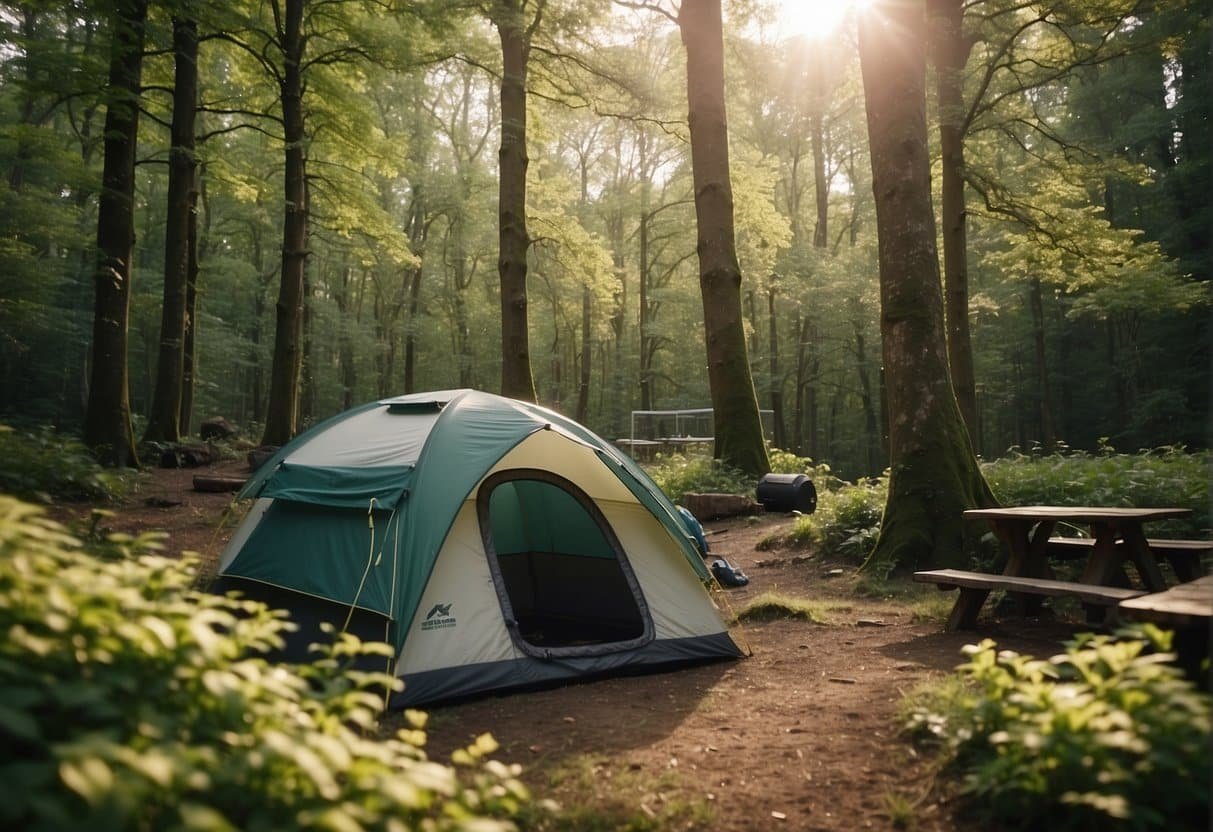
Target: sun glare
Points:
x,y
810,18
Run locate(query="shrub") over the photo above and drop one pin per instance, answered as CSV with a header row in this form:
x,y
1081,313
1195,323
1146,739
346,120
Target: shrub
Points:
x,y
678,475
1161,477
1104,736
847,519
130,701
43,465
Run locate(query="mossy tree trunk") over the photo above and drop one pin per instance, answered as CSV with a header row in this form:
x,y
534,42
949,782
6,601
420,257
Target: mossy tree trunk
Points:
x,y
107,421
738,426
515,30
282,411
934,473
950,48
164,419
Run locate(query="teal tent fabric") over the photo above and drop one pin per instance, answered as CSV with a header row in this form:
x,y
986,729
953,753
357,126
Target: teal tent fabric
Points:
x,y
343,487
308,535
533,516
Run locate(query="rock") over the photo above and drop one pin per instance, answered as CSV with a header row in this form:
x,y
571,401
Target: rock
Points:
x,y
216,427
870,622
188,456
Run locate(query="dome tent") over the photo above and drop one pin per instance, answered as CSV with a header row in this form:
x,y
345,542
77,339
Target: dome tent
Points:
x,y
492,543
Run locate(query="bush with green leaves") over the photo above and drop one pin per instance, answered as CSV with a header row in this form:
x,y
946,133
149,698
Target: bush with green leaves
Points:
x,y
1168,476
43,465
679,474
847,520
1108,735
129,700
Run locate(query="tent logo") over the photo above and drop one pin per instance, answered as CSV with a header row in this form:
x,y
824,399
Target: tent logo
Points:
x,y
439,617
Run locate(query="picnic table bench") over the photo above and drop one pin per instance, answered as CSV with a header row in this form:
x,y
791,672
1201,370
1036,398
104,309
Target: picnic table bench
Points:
x,y
975,587
1183,555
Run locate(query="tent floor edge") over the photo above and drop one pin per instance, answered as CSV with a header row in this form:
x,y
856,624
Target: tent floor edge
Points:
x,y
451,685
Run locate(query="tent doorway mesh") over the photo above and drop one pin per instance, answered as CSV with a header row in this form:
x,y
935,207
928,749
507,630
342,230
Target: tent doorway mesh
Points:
x,y
557,565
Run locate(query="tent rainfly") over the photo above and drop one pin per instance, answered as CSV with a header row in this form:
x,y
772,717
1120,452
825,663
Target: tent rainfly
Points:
x,y
492,543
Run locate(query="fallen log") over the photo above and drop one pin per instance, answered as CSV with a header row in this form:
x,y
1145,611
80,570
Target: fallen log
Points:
x,y
213,484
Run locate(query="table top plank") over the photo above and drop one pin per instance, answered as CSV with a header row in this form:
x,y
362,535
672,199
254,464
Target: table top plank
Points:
x,y
1080,514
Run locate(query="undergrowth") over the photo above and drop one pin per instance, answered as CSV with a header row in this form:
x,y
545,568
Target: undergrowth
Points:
x,y
1108,735
42,466
133,702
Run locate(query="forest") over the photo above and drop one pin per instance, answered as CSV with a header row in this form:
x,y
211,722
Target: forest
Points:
x,y
317,215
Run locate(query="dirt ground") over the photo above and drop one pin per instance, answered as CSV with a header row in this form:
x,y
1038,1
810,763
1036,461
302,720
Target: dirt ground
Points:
x,y
800,735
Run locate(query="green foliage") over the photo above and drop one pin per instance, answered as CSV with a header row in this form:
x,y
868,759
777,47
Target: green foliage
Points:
x,y
1106,735
678,475
847,519
1161,477
130,701
43,465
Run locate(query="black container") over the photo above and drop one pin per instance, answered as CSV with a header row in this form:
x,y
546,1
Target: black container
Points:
x,y
787,492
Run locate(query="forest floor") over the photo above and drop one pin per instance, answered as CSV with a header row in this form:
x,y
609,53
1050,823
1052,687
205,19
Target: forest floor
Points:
x,y
800,735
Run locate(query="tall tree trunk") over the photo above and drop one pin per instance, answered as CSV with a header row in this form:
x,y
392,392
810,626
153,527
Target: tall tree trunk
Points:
x,y
871,433
821,188
645,312
107,421
282,411
164,418
417,234
738,426
934,472
776,383
517,380
1048,434
189,349
951,51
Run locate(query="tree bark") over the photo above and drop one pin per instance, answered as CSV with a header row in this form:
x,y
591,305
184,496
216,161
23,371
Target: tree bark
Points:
x,y
951,52
934,474
738,426
282,411
780,438
189,352
517,380
1048,434
164,418
107,422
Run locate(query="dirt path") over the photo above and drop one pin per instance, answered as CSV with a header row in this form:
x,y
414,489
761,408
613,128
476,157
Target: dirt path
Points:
x,y
801,735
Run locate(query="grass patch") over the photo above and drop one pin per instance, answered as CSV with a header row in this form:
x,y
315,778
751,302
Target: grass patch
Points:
x,y
774,606
594,794
925,603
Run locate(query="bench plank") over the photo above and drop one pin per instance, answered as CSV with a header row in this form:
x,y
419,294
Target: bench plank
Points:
x,y
975,587
1183,555
1092,593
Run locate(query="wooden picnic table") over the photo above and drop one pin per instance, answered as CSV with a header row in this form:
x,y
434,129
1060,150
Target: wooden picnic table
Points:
x,y
1117,536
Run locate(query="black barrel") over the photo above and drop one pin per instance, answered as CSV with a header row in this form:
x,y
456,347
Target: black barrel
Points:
x,y
787,492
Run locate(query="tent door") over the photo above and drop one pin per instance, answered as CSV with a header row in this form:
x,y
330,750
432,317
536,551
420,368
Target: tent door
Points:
x,y
563,580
